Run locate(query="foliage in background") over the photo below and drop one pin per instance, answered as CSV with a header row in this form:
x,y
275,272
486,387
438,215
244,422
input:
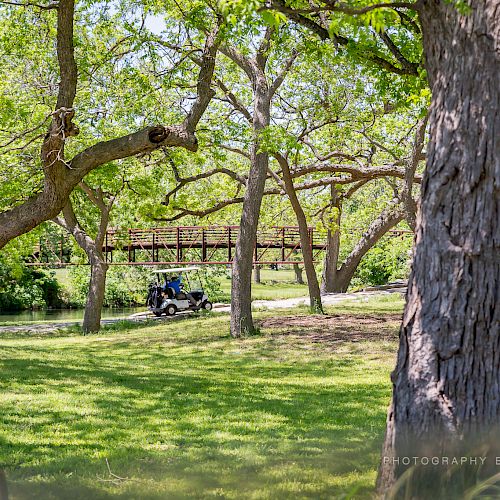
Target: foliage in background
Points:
x,y
387,261
126,286
23,287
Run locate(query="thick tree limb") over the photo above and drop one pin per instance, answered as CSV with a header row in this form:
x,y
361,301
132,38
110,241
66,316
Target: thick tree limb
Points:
x,y
204,90
66,54
240,60
298,16
356,171
61,176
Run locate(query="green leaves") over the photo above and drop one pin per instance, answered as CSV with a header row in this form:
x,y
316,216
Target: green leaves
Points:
x,y
273,18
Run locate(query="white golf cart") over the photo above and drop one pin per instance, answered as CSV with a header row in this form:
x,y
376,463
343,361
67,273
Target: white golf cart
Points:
x,y
164,299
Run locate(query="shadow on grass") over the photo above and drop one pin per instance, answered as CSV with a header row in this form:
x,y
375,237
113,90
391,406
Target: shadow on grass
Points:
x,y
181,419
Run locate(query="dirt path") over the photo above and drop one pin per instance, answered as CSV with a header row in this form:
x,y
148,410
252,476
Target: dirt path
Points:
x,y
328,300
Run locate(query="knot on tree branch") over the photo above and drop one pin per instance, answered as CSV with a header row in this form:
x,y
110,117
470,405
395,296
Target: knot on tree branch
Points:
x,y
62,124
158,134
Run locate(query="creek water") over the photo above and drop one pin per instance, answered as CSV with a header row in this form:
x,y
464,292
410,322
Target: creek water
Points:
x,y
65,314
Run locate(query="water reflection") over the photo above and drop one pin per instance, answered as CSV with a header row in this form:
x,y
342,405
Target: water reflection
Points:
x,y
65,314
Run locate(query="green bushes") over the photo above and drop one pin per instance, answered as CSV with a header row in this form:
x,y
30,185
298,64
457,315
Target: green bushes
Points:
x,y
389,260
22,287
125,286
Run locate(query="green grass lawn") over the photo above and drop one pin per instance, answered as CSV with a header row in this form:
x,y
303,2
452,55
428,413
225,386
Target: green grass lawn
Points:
x,y
274,285
179,410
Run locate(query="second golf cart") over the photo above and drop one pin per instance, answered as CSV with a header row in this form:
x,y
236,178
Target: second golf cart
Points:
x,y
173,291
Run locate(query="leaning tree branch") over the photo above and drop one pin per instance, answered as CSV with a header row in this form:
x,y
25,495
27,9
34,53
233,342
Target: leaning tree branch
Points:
x,y
275,85
356,171
372,56
204,90
62,176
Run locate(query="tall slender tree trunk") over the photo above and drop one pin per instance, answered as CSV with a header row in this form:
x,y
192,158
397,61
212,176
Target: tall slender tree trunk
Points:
x,y
241,290
95,296
331,261
447,378
305,241
93,250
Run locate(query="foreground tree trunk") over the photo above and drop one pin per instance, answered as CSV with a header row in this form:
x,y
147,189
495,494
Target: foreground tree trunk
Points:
x,y
4,492
447,378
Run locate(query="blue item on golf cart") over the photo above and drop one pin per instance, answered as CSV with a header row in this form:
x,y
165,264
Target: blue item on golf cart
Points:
x,y
175,284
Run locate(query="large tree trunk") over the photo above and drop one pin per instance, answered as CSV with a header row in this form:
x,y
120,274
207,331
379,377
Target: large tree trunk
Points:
x,y
447,378
241,290
305,240
95,296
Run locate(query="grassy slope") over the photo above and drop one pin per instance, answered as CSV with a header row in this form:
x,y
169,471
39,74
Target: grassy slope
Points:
x,y
182,411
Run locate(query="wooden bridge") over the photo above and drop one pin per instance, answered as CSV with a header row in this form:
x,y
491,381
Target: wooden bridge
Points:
x,y
205,245
188,245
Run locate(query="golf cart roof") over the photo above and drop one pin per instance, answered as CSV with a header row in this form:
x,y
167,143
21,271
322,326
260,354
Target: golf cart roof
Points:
x,y
177,270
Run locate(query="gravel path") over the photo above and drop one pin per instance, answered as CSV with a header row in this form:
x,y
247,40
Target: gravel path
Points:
x,y
328,300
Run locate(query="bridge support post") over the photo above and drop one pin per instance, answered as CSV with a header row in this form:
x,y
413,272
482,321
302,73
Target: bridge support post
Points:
x,y
203,246
179,245
282,244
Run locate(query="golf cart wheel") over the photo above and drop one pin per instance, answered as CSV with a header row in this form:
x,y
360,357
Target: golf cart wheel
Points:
x,y
207,305
157,313
171,310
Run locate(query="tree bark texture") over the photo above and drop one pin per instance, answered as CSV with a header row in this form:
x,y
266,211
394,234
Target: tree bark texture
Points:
x,y
446,385
241,291
332,253
95,295
4,491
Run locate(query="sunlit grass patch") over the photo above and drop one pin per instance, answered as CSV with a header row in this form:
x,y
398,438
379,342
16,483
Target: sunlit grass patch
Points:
x,y
179,410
